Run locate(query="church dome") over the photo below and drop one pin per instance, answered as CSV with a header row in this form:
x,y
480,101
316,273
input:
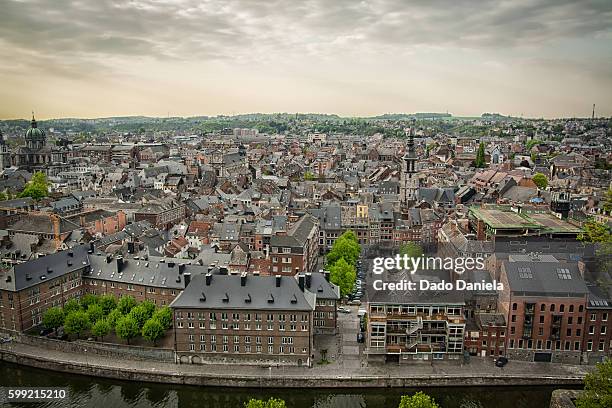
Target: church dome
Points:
x,y
34,133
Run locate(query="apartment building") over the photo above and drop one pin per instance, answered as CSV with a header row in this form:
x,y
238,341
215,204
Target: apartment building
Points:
x,y
407,325
298,250
244,319
328,296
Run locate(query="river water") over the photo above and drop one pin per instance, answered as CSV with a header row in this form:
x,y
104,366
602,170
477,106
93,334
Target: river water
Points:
x,y
97,392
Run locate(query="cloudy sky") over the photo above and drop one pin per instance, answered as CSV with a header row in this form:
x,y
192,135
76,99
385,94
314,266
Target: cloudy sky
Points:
x,y
96,58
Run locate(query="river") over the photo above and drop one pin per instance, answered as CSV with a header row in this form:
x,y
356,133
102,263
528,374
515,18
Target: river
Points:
x,y
98,392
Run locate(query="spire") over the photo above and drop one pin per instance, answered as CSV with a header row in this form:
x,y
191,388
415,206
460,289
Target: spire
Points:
x,y
33,123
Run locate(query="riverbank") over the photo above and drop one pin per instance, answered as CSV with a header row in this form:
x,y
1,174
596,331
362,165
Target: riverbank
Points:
x,y
479,372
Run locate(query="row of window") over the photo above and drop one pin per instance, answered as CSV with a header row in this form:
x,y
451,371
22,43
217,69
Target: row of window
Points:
x,y
236,317
247,348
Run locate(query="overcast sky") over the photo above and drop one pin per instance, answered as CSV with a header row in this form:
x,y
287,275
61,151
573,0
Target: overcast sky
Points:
x,y
99,58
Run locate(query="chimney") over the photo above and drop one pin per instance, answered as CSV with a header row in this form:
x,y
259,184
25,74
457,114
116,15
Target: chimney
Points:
x,y
130,247
187,279
278,281
308,279
181,268
71,254
208,278
301,281
171,264
92,247
243,278
119,264
326,273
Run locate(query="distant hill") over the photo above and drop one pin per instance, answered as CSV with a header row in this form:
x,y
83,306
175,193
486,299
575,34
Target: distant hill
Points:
x,y
418,115
496,116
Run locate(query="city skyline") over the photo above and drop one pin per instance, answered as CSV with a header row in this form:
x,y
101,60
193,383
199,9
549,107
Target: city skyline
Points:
x,y
181,58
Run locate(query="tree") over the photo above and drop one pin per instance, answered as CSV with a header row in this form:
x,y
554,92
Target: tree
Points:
x,y
76,322
540,180
100,329
148,306
346,246
113,317
607,206
53,318
153,330
126,304
95,312
595,232
597,387
164,316
412,249
72,305
418,400
108,303
127,328
308,176
480,156
37,187
343,275
140,314
89,299
271,403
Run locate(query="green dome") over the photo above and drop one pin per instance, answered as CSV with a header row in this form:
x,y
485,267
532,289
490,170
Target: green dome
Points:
x,y
34,133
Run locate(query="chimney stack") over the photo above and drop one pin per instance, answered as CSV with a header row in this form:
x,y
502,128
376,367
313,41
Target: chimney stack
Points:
x,y
243,278
181,268
130,246
187,279
278,281
208,278
119,264
301,281
308,279
92,247
326,273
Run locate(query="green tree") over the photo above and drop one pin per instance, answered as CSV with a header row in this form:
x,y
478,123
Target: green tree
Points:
x,y
113,317
607,205
89,299
71,306
108,303
595,232
53,318
164,316
271,403
597,387
308,176
343,275
148,306
95,312
127,328
345,246
37,187
540,180
153,330
412,249
126,304
100,329
77,322
480,156
418,400
140,314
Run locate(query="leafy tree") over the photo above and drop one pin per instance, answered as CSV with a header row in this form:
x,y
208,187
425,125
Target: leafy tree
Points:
x,y
345,246
101,328
607,206
271,403
126,304
76,322
127,328
343,275
113,317
164,316
53,318
89,299
95,312
597,387
540,180
148,306
595,232
308,176
153,330
140,314
71,306
37,187
418,400
480,156
533,142
108,303
412,249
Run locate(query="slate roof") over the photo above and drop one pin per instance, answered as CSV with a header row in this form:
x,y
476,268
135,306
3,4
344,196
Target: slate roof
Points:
x,y
258,293
533,278
321,287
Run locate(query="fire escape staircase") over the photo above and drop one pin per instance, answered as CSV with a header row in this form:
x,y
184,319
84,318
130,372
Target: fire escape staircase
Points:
x,y
412,332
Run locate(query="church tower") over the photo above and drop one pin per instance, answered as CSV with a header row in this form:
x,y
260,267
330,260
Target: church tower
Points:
x,y
409,181
5,158
35,138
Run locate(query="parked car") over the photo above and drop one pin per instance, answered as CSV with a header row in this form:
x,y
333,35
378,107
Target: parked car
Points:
x,y
343,309
501,361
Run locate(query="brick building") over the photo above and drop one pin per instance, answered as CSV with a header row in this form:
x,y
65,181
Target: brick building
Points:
x,y
298,250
